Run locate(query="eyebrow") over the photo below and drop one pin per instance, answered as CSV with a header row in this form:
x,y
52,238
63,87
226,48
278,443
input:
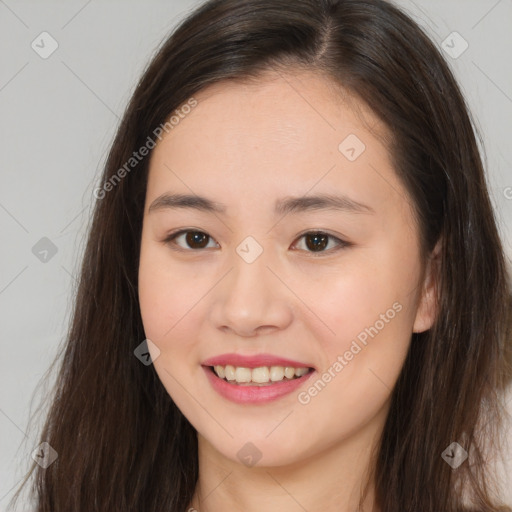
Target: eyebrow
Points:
x,y
283,206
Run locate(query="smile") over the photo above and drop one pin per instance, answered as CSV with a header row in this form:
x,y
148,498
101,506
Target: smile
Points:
x,y
260,376
255,379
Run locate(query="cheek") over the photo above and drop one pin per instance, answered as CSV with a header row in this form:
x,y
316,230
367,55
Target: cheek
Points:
x,y
173,309
170,309
372,335
167,295
362,364
358,297
369,309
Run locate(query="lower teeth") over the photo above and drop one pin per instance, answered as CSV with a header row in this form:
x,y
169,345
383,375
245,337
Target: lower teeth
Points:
x,y
258,383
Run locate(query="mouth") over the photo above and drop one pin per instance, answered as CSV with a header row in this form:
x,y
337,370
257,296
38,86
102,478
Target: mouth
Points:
x,y
255,380
259,376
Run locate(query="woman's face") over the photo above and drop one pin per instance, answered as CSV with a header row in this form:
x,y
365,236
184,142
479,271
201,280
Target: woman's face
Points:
x,y
255,290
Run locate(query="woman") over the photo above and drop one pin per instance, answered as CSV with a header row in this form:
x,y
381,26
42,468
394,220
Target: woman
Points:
x,y
293,295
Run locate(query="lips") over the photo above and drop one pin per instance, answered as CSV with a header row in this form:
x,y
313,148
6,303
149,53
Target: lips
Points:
x,y
252,393
253,361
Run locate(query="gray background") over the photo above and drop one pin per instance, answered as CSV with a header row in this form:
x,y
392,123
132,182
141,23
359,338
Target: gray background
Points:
x,y
58,118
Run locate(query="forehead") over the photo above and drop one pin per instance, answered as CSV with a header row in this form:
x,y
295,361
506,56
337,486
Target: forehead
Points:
x,y
299,107
282,133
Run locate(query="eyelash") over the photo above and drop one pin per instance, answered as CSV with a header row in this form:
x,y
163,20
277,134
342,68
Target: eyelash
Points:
x,y
342,244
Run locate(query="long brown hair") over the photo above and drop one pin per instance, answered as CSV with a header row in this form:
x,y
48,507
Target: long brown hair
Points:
x,y
122,443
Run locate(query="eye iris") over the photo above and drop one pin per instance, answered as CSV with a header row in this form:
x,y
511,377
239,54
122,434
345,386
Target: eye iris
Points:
x,y
196,237
319,241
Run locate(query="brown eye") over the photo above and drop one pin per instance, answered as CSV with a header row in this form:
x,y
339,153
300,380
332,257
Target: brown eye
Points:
x,y
193,239
196,239
317,241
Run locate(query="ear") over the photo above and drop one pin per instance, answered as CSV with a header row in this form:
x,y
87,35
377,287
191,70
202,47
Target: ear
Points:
x,y
427,310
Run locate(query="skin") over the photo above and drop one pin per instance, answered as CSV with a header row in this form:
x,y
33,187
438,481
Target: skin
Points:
x,y
247,145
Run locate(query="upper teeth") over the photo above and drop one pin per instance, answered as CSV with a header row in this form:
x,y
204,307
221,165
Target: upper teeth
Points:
x,y
259,375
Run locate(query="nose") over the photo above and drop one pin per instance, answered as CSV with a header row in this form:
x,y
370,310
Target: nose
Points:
x,y
251,299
